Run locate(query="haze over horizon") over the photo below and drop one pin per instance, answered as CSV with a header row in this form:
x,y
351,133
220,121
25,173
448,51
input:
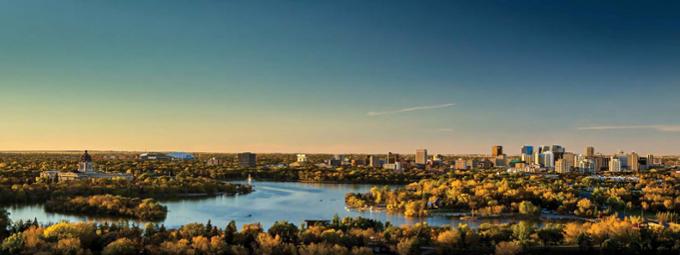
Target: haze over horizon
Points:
x,y
339,77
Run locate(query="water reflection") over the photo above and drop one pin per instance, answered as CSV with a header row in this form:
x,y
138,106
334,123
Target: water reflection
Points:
x,y
271,201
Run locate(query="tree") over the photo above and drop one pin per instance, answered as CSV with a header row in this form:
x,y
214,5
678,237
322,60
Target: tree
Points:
x,y
571,231
4,222
508,248
407,246
230,232
522,231
527,208
322,249
287,231
121,246
550,234
449,238
13,244
585,208
201,244
69,246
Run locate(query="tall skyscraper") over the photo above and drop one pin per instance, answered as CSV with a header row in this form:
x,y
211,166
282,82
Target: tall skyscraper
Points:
x,y
590,151
373,161
558,151
528,149
570,158
615,164
496,150
601,163
633,162
586,165
392,158
247,159
500,161
527,158
563,166
623,159
548,159
421,156
650,160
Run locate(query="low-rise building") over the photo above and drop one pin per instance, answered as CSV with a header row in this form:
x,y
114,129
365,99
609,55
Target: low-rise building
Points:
x,y
461,164
213,162
154,156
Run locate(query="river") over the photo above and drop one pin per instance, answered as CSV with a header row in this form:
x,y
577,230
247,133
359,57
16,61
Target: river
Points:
x,y
269,202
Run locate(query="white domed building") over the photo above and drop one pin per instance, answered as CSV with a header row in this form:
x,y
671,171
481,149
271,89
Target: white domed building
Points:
x,y
85,171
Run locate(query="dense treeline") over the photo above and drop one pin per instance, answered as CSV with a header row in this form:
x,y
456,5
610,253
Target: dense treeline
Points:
x,y
333,175
23,168
109,205
142,187
493,194
346,236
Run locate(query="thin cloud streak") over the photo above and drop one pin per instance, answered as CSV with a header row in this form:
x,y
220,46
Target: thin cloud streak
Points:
x,y
411,109
662,128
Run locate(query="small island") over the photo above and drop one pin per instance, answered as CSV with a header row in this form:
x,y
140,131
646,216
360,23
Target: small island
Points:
x,y
109,205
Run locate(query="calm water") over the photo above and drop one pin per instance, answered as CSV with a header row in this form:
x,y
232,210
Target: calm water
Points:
x,y
271,201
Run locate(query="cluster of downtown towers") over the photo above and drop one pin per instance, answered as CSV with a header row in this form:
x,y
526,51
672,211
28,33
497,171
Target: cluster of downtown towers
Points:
x,y
547,158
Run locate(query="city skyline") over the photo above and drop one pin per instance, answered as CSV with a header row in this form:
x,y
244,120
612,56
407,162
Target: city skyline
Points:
x,y
350,77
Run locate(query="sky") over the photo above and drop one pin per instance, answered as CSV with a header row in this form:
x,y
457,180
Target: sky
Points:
x,y
339,76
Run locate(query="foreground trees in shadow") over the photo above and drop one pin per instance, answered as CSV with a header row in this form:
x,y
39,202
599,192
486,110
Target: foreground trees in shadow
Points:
x,y
344,236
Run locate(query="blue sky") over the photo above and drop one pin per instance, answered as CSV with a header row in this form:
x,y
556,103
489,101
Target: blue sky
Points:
x,y
349,76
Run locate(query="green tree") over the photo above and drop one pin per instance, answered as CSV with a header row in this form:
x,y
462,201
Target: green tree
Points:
x,y
287,231
522,231
528,208
4,222
230,232
550,234
13,244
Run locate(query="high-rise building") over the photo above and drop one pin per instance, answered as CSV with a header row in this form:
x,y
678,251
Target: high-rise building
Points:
x,y
373,161
601,163
586,165
545,148
527,158
392,158
615,164
633,162
590,151
570,158
501,161
563,166
421,156
548,159
623,160
247,159
496,150
558,151
650,160
538,160
527,154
